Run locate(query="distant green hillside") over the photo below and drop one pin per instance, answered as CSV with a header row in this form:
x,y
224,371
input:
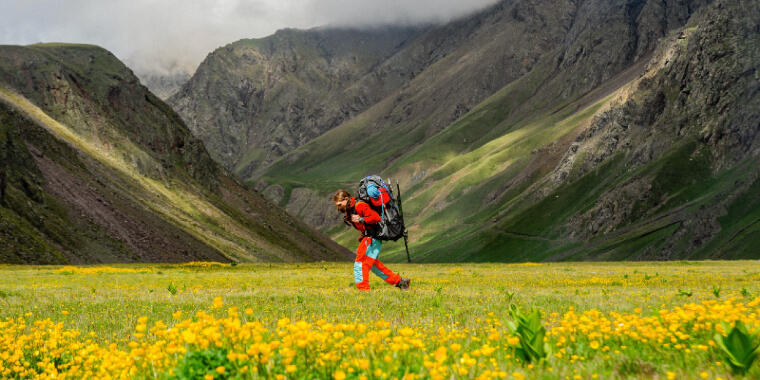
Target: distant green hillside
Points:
x,y
558,131
97,169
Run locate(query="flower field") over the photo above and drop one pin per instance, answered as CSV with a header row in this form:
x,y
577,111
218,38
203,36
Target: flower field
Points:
x,y
306,321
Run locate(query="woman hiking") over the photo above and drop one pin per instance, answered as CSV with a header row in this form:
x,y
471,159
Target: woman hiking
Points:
x,y
361,216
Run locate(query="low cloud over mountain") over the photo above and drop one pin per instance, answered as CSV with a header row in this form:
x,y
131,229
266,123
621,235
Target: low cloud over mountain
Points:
x,y
166,37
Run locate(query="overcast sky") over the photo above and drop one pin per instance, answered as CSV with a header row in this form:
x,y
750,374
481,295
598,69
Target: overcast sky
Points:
x,y
168,35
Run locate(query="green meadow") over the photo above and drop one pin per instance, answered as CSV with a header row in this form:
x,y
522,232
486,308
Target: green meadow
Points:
x,y
608,320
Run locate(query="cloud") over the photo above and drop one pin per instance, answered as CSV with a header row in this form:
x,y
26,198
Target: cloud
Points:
x,y
168,36
362,13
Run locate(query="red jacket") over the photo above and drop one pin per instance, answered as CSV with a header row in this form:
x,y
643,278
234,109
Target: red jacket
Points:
x,y
365,211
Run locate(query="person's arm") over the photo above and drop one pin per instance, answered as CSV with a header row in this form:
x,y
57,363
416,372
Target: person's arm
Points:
x,y
367,214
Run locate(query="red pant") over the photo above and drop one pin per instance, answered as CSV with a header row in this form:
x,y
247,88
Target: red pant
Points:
x,y
366,261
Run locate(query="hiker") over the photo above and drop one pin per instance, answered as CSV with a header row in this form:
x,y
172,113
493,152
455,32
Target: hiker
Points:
x,y
361,216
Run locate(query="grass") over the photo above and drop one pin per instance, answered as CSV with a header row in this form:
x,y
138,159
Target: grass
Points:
x,y
566,200
461,307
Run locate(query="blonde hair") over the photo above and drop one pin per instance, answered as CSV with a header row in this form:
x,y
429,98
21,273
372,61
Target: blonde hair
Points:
x,y
341,195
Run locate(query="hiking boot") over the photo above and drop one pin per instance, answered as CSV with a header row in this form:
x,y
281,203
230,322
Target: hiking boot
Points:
x,y
403,284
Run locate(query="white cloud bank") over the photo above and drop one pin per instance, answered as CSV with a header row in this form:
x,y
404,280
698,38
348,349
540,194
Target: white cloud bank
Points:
x,y
169,36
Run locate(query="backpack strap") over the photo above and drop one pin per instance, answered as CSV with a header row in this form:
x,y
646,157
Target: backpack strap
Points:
x,y
368,229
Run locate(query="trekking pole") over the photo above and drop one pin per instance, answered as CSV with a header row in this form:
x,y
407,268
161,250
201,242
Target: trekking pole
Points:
x,y
401,211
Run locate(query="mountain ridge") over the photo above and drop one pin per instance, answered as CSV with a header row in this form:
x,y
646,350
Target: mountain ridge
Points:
x,y
505,152
278,76
100,170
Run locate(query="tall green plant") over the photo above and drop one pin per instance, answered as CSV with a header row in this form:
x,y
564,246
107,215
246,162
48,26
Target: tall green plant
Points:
x,y
739,347
531,333
199,364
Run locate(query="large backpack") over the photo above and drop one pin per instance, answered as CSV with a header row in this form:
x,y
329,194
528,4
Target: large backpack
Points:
x,y
391,226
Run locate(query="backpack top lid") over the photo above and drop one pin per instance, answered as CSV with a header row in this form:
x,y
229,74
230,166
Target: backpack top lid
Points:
x,y
378,197
373,190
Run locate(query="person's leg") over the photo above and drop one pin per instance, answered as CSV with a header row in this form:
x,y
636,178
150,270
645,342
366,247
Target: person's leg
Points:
x,y
361,267
386,274
373,252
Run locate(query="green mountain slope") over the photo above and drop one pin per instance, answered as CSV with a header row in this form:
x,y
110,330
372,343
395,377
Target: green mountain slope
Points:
x,y
97,169
559,130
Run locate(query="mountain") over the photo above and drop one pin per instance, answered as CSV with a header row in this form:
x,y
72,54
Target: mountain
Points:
x,y
545,130
256,99
98,169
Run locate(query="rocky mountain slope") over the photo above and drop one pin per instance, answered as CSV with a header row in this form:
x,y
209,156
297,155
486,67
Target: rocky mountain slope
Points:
x,y
544,130
95,168
254,100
